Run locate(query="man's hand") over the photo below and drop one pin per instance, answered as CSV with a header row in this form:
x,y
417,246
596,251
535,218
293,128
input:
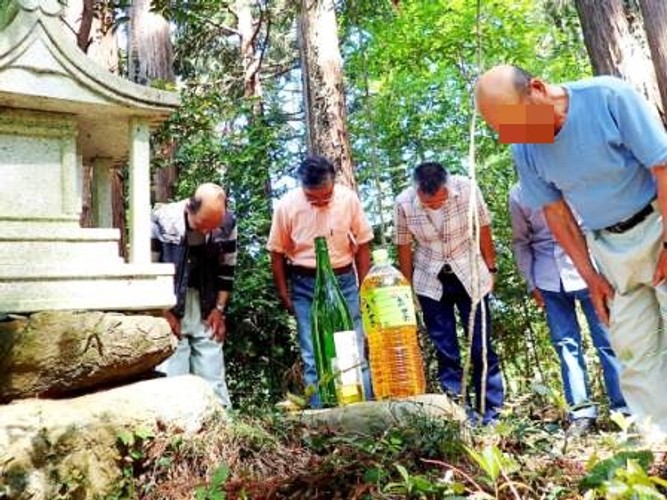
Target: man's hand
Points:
x,y
539,300
660,275
601,293
174,323
287,303
216,322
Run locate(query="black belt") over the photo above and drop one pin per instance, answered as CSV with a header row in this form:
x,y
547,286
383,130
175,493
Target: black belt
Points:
x,y
631,221
311,271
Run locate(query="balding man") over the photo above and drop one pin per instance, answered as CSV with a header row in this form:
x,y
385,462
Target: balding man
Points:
x,y
198,236
600,146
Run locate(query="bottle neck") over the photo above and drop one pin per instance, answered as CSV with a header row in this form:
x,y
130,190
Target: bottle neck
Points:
x,y
323,263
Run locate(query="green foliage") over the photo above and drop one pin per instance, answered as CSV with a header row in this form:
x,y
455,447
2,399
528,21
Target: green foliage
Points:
x,y
214,490
131,446
410,74
493,462
605,470
238,141
8,11
419,486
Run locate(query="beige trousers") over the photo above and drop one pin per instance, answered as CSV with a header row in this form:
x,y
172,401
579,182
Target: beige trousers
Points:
x,y
196,353
638,313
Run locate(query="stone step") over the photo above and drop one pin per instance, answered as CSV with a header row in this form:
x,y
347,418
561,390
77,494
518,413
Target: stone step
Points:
x,y
55,232
131,288
70,270
43,251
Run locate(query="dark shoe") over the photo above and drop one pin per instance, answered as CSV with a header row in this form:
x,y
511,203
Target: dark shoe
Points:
x,y
580,427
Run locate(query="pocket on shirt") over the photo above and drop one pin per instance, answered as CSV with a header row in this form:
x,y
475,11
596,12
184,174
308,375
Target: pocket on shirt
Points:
x,y
422,229
339,240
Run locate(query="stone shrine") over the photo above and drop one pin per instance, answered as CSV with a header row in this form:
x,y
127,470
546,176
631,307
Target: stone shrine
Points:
x,y
58,112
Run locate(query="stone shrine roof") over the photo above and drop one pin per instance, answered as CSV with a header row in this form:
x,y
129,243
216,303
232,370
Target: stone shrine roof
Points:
x,y
42,69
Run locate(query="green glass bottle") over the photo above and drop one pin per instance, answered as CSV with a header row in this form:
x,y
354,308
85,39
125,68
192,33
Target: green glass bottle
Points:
x,y
334,338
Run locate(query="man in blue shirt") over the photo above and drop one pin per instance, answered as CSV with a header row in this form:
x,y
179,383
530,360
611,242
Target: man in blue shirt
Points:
x,y
557,287
606,155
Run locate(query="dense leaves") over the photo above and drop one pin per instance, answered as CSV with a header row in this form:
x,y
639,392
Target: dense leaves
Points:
x,y
409,67
410,72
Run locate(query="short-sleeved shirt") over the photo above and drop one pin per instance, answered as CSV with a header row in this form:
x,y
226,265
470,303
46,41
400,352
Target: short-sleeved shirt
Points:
x,y
600,159
540,259
442,238
296,223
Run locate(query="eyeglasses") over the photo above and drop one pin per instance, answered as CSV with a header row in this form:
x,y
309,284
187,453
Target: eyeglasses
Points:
x,y
320,196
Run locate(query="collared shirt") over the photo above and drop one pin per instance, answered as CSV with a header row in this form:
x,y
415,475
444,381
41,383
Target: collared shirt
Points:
x,y
600,159
443,239
216,261
296,223
542,262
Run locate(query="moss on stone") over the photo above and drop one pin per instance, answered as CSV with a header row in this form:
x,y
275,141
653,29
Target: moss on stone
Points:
x,y
8,11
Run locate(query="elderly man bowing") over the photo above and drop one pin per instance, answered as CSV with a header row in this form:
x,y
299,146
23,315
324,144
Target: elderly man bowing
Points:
x,y
198,236
597,144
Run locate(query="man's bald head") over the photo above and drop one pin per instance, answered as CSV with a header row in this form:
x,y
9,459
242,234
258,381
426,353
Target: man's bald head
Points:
x,y
500,86
519,106
207,207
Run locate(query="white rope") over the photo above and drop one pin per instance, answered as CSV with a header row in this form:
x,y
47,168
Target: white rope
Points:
x,y
475,235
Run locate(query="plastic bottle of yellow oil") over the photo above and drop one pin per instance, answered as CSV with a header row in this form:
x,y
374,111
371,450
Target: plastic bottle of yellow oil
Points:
x,y
388,314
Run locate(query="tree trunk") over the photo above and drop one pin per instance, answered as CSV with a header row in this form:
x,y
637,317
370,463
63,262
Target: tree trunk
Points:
x,y
57,352
251,60
324,96
249,30
150,54
612,48
118,209
103,47
654,13
85,27
86,217
151,58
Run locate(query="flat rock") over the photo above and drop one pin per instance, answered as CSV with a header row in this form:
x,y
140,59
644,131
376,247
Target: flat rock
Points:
x,y
69,448
371,416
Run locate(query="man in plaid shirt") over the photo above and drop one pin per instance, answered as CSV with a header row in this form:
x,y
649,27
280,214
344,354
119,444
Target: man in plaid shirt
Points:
x,y
448,270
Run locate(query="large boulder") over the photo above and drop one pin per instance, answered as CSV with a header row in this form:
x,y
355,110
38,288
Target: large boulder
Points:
x,y
52,353
73,448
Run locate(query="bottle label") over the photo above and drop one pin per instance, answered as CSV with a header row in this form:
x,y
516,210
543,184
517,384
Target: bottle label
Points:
x,y
347,357
389,307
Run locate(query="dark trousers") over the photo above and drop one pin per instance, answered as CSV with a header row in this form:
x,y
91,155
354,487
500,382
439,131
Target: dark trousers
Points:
x,y
441,324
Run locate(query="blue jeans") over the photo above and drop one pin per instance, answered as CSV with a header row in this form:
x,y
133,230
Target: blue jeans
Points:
x,y
441,324
303,289
566,339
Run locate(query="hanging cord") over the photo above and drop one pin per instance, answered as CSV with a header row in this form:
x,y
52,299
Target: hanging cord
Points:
x,y
473,222
374,160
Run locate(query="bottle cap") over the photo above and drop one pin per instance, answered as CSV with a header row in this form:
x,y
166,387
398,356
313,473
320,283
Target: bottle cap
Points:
x,y
380,256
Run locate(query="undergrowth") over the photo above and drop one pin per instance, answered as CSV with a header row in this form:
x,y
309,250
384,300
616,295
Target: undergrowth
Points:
x,y
272,456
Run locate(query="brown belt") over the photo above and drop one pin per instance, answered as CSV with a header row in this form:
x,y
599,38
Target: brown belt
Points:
x,y
311,271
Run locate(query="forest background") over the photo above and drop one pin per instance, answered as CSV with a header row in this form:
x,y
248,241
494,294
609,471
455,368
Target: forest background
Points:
x,y
246,75
378,86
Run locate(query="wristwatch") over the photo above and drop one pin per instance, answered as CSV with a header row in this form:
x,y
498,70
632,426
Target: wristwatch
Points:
x,y
221,308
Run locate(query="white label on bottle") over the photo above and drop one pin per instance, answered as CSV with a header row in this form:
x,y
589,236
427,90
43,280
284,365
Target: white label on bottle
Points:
x,y
347,356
